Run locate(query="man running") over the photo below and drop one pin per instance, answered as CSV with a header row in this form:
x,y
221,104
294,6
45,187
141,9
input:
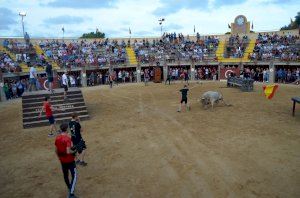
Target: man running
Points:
x,y
47,107
49,73
77,139
184,99
65,83
65,153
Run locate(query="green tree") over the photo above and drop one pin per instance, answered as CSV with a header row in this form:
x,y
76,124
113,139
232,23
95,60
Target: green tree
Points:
x,y
96,34
297,18
293,24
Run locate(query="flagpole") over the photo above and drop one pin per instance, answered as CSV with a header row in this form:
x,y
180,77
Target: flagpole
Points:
x,y
229,28
130,36
194,30
63,30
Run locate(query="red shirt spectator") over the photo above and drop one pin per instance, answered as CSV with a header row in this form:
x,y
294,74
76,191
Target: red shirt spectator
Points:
x,y
48,109
62,142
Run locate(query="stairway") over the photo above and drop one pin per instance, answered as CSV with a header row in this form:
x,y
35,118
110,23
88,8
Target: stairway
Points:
x,y
32,103
220,54
220,51
249,50
245,58
131,56
13,57
39,51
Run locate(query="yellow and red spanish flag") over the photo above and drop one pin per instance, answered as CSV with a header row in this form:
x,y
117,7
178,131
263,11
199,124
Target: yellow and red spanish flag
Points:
x,y
270,90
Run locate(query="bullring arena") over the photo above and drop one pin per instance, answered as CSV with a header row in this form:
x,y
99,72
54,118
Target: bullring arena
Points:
x,y
129,93
139,146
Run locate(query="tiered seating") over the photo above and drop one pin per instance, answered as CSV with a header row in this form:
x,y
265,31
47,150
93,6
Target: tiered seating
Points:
x,y
172,48
32,103
84,53
39,52
248,50
176,48
275,47
221,51
12,56
23,66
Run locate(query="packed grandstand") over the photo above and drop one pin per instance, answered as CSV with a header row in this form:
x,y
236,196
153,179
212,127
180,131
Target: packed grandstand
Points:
x,y
251,53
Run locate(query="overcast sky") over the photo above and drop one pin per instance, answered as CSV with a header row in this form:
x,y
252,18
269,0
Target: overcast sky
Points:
x,y
45,18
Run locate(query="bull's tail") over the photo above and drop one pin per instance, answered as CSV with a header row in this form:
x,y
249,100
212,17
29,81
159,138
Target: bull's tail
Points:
x,y
225,103
228,105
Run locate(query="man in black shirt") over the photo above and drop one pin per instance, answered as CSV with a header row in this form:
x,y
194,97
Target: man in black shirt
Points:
x,y
49,73
184,93
77,139
168,78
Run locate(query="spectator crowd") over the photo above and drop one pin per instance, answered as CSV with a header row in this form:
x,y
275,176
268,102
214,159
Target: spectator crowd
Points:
x,y
287,75
7,65
80,53
258,74
272,46
206,73
236,46
172,47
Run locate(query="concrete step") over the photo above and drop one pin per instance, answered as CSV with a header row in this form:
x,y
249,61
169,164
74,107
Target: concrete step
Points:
x,y
46,93
56,102
32,103
38,108
36,113
46,123
53,97
43,93
56,115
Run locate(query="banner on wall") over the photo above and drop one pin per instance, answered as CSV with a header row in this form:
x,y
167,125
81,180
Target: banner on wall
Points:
x,y
44,83
225,72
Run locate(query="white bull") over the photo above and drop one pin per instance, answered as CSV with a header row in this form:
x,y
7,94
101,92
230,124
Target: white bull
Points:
x,y
212,97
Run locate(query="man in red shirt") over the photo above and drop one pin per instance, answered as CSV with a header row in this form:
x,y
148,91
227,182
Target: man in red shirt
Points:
x,y
47,107
66,155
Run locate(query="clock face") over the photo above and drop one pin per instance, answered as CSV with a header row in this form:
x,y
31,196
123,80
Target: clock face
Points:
x,y
240,21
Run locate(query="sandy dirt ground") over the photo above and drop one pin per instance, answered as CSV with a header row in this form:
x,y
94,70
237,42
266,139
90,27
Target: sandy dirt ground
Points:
x,y
139,146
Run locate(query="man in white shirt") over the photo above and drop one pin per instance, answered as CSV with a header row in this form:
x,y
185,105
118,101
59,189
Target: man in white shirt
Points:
x,y
206,73
120,76
72,81
32,78
65,84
